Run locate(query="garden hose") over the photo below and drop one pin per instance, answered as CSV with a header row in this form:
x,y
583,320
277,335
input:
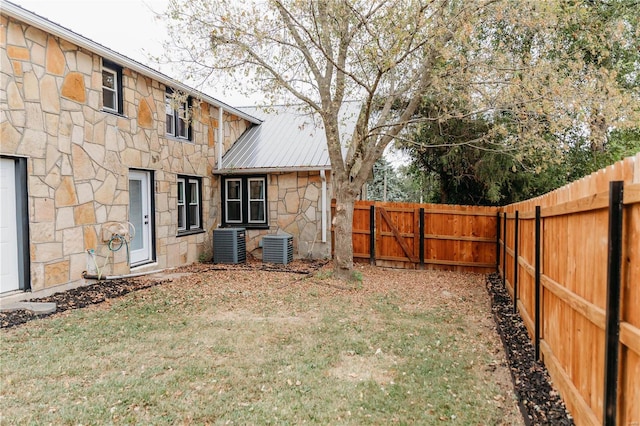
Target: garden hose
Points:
x,y
116,242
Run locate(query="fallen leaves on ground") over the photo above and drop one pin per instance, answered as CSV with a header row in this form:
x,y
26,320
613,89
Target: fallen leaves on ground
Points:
x,y
462,292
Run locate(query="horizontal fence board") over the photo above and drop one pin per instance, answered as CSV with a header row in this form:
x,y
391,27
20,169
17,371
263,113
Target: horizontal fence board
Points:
x,y
460,213
491,240
459,263
585,204
630,337
631,194
587,309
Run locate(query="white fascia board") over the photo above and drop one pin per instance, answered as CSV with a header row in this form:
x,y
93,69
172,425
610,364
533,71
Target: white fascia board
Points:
x,y
269,170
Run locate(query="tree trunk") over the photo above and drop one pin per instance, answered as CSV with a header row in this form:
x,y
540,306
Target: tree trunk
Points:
x,y
343,232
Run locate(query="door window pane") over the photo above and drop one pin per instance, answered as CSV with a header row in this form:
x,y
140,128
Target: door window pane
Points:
x,y
135,213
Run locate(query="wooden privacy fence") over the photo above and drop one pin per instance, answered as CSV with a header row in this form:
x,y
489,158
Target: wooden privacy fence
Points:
x,y
571,262
409,235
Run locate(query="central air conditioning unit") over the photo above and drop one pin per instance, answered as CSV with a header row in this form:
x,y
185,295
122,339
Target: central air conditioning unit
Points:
x,y
277,248
229,245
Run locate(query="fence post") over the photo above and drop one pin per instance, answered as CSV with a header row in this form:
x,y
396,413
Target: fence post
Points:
x,y
537,283
498,242
421,237
515,264
612,336
504,252
372,235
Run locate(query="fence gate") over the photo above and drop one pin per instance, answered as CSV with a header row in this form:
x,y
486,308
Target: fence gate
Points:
x,y
408,235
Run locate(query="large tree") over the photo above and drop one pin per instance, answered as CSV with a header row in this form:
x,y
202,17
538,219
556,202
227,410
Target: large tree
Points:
x,y
489,57
484,175
471,169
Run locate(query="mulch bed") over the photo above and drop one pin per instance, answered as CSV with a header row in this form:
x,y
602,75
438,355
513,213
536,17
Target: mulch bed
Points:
x,y
539,403
79,297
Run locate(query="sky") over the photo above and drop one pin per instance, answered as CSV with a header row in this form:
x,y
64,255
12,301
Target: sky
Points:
x,y
129,27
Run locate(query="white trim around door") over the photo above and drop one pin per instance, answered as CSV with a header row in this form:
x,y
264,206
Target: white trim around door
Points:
x,y
141,217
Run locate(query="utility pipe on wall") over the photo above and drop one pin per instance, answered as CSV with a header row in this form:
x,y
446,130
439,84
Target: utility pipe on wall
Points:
x,y
323,177
220,136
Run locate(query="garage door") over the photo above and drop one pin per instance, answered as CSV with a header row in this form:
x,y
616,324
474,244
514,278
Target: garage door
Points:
x,y
9,272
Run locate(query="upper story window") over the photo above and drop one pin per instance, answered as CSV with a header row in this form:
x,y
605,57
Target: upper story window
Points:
x,y
189,204
244,201
111,87
177,116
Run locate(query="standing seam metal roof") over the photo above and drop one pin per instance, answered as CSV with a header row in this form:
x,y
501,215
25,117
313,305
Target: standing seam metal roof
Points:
x,y
287,139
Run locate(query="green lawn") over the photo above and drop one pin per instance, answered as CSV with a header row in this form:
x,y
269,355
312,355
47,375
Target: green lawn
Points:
x,y
249,347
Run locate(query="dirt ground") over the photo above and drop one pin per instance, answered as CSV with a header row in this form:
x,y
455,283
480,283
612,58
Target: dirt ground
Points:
x,y
532,396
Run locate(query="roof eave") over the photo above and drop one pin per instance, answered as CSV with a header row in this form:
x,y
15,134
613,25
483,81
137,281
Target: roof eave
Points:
x,y
42,23
270,170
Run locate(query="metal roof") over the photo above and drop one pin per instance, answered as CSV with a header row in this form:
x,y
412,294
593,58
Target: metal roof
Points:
x,y
31,18
288,139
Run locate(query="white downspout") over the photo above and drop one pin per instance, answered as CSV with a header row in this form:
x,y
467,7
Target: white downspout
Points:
x,y
323,177
220,136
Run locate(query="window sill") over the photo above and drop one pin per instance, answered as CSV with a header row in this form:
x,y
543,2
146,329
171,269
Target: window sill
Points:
x,y
190,232
245,225
177,139
117,114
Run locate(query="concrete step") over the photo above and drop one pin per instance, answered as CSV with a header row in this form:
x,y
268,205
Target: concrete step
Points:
x,y
38,308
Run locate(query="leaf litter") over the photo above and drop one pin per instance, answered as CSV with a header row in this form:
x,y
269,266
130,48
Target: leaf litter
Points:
x,y
459,292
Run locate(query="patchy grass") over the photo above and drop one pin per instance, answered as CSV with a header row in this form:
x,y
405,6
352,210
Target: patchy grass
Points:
x,y
251,347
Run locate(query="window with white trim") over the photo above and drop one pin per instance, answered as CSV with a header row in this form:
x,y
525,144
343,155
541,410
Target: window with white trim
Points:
x,y
233,191
111,87
257,200
244,200
176,113
189,204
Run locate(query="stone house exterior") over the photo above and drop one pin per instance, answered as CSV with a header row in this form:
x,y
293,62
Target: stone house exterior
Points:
x,y
110,168
287,152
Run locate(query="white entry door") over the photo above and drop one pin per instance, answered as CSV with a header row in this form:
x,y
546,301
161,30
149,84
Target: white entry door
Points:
x,y
9,272
140,216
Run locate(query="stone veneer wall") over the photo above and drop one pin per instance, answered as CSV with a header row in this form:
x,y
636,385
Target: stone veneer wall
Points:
x,y
295,207
79,157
